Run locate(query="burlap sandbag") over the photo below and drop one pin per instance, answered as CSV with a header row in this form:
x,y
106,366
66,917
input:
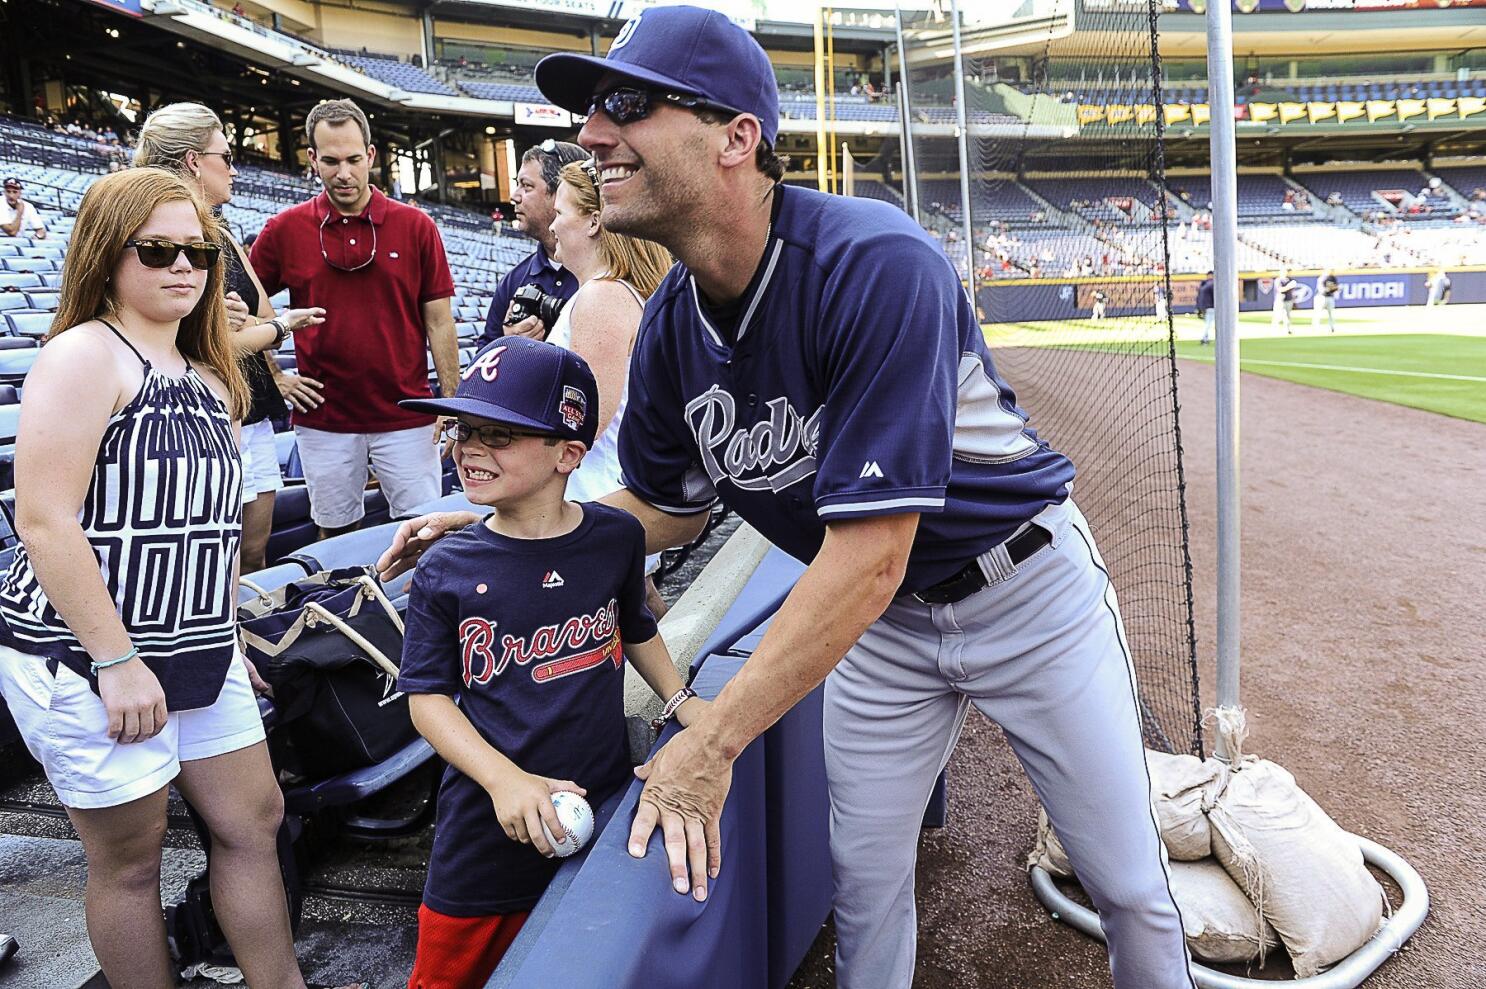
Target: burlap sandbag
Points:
x,y
1220,923
1048,852
1303,872
1183,789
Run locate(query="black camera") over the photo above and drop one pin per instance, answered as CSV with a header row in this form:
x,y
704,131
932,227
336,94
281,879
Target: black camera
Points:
x,y
530,300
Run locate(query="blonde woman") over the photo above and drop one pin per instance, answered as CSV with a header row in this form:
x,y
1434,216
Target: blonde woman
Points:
x,y
118,655
615,274
187,138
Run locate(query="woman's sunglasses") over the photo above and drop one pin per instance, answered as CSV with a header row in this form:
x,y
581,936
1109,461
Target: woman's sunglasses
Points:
x,y
162,253
627,104
495,437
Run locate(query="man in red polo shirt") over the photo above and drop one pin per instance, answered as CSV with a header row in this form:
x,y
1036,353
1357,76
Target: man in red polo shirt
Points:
x,y
377,268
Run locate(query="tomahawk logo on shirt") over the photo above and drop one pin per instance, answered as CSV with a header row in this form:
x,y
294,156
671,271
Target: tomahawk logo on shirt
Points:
x,y
552,651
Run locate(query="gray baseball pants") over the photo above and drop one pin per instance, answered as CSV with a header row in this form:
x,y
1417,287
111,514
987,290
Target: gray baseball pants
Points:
x,y
1042,652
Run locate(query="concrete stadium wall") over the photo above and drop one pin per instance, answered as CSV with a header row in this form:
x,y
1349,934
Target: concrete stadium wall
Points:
x,y
1072,298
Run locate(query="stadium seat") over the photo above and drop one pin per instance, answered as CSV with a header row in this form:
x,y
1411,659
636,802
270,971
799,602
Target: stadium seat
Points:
x,y
29,324
43,300
12,300
16,364
351,549
20,280
15,343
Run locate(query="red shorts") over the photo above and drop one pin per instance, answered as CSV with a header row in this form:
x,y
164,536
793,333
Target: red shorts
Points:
x,y
460,952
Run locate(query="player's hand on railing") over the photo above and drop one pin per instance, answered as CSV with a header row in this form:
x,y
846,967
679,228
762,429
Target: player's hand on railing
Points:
x,y
523,803
686,784
135,701
416,535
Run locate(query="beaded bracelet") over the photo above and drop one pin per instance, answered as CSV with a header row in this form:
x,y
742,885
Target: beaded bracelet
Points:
x,y
95,667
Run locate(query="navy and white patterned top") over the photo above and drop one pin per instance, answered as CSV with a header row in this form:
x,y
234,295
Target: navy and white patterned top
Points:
x,y
163,514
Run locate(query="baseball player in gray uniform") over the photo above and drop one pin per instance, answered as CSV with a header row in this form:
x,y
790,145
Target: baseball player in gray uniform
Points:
x,y
814,362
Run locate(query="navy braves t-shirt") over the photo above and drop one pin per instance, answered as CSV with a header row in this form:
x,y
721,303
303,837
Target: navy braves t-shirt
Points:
x,y
526,635
856,383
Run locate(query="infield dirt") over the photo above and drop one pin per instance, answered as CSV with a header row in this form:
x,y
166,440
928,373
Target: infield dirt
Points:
x,y
1364,636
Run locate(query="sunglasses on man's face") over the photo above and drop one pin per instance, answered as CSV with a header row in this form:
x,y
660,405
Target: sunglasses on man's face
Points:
x,y
162,253
495,437
627,104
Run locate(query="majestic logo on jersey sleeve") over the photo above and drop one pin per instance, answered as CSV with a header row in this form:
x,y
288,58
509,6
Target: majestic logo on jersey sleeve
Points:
x,y
553,651
769,455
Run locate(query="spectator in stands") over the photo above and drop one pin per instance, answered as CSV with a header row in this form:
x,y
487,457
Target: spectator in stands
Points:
x,y
123,675
536,185
615,275
1285,289
1327,290
16,214
378,269
1207,309
1335,199
187,138
1101,299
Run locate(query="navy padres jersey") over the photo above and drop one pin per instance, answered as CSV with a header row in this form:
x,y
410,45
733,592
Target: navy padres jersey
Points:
x,y
857,383
527,635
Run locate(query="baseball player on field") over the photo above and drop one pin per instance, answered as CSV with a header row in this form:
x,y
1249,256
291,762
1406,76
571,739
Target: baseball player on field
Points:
x,y
814,362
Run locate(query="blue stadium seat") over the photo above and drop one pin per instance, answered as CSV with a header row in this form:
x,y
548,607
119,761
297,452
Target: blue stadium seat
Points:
x,y
20,280
12,300
29,324
43,300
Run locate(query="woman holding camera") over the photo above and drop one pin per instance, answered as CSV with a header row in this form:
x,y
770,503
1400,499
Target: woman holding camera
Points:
x,y
118,654
187,138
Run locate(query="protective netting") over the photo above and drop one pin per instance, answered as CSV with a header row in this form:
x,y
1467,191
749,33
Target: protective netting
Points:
x,y
1068,217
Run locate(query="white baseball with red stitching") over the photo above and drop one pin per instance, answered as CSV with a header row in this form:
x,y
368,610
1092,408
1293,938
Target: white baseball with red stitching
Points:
x,y
576,818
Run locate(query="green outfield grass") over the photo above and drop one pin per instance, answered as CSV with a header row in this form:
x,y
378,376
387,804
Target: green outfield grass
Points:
x,y
1431,359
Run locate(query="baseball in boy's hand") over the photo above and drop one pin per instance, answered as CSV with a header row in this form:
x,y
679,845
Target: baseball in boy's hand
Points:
x,y
576,818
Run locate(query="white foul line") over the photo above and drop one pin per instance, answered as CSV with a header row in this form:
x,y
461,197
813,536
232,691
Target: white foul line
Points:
x,y
1355,370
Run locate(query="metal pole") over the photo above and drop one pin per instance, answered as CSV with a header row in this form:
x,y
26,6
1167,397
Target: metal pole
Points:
x,y
822,149
905,106
964,134
1225,344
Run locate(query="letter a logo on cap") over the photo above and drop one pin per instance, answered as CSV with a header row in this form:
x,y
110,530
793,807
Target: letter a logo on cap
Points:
x,y
487,365
627,32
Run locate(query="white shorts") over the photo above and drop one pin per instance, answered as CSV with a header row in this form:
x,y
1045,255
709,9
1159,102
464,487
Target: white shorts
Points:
x,y
260,461
65,726
335,471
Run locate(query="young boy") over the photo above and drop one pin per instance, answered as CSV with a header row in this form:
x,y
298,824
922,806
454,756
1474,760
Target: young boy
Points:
x,y
513,655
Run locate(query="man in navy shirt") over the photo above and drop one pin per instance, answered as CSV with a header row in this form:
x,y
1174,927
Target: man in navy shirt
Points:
x,y
815,363
536,186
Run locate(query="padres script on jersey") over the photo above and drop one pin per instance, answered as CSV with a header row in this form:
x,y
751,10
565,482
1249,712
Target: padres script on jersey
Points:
x,y
856,382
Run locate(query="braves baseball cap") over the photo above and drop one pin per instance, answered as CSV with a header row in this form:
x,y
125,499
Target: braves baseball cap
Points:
x,y
528,384
12,183
687,50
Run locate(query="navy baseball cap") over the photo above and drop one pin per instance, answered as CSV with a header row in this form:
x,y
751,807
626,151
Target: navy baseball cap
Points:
x,y
687,50
528,384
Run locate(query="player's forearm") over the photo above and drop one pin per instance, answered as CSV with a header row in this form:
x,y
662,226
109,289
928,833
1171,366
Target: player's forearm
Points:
x,y
662,531
849,585
652,660
440,721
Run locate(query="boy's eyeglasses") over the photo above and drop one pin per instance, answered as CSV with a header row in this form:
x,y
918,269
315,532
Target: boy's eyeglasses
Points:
x,y
627,104
162,253
496,437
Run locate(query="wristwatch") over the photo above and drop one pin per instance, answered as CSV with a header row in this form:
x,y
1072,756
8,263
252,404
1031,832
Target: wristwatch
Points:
x,y
669,711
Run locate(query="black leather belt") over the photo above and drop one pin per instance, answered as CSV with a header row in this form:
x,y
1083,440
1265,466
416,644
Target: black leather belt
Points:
x,y
971,578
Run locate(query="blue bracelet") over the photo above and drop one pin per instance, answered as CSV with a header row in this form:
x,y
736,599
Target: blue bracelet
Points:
x,y
115,662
